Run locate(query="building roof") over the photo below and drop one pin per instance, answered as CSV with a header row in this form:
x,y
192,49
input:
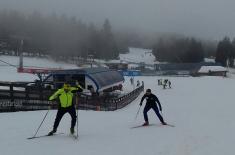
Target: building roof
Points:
x,y
184,66
207,69
102,77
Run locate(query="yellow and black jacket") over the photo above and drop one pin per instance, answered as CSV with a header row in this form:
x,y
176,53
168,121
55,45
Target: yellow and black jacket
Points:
x,y
66,98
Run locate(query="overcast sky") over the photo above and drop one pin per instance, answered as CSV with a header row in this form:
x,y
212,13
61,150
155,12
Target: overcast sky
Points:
x,y
208,19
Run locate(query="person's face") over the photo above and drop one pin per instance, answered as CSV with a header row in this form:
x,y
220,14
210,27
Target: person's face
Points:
x,y
148,93
66,89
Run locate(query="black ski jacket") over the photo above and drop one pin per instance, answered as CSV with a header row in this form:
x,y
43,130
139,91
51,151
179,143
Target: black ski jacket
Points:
x,y
151,100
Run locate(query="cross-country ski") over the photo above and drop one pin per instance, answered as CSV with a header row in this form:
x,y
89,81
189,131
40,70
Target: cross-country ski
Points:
x,y
150,125
44,136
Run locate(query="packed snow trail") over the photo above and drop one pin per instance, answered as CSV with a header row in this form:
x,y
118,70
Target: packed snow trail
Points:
x,y
201,108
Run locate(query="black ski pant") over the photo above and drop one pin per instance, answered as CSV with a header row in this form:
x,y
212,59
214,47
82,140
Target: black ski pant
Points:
x,y
61,111
155,108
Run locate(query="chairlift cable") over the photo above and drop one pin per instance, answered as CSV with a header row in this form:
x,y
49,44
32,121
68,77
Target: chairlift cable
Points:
x,y
8,63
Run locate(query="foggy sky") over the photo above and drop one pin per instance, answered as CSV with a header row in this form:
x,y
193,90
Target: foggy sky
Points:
x,y
208,19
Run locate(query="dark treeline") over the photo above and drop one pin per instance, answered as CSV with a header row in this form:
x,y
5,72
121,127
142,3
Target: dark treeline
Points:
x,y
174,47
58,36
179,50
67,37
225,52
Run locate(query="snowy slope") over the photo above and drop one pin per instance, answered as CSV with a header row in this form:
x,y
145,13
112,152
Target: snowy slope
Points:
x,y
135,57
202,109
9,73
138,55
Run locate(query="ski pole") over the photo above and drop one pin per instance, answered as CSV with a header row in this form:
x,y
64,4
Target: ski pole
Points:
x,y
77,114
41,122
77,123
137,112
163,118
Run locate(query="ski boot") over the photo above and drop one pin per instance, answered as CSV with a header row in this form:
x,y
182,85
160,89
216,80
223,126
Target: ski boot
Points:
x,y
146,124
71,131
164,123
52,132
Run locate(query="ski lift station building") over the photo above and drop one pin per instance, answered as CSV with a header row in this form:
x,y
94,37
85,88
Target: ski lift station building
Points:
x,y
98,79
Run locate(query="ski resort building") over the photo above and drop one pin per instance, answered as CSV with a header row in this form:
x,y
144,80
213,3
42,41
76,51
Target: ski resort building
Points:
x,y
194,69
97,79
211,71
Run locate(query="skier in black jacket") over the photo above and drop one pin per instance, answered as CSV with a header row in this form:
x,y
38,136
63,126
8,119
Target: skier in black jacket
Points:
x,y
151,100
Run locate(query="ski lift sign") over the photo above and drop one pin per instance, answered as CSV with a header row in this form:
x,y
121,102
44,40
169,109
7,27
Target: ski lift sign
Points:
x,y
131,73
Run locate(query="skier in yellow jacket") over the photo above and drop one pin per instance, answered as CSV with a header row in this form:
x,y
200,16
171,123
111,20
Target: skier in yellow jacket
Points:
x,y
65,95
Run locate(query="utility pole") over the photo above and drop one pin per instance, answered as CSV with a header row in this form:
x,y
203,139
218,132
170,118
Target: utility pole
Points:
x,y
21,54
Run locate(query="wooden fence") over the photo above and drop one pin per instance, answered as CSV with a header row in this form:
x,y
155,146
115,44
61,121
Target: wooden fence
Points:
x,y
15,96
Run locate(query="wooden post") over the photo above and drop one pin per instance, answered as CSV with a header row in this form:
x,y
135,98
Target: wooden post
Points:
x,y
41,93
12,96
26,93
11,92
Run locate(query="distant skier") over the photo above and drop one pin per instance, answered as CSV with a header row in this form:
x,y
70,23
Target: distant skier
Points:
x,y
169,83
65,95
138,83
159,82
132,80
165,83
151,100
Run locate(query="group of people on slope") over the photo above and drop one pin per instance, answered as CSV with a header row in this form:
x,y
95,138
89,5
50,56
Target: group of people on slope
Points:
x,y
66,105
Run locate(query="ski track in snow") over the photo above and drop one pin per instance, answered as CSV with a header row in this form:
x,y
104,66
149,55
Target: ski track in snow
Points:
x,y
201,108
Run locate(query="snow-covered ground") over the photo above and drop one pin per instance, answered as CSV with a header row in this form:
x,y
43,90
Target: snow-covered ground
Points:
x,y
202,109
138,55
135,56
207,69
9,73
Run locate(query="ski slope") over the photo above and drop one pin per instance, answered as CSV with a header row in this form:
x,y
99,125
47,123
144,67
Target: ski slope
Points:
x,y
202,109
138,55
134,57
9,73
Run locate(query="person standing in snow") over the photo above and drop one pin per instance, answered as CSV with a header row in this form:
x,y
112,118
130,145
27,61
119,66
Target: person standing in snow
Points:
x,y
66,104
165,83
151,100
169,83
132,80
138,83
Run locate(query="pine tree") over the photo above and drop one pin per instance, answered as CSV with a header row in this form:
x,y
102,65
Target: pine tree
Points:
x,y
224,52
